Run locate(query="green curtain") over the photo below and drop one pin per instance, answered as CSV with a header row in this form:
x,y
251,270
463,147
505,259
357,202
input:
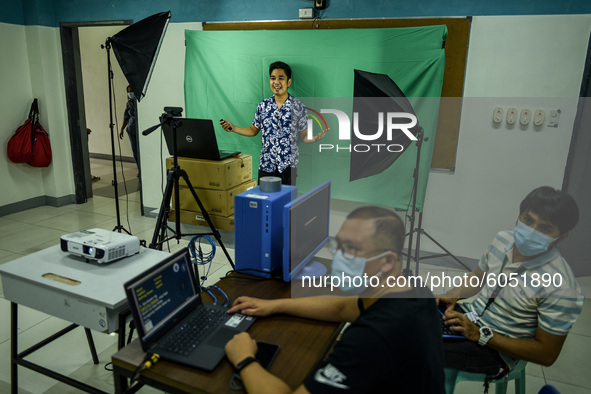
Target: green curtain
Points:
x,y
226,76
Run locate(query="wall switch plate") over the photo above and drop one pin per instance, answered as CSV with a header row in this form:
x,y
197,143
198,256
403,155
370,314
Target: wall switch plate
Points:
x,y
306,13
553,116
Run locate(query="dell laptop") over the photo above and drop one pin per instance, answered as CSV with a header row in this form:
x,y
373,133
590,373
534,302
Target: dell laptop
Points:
x,y
174,322
195,139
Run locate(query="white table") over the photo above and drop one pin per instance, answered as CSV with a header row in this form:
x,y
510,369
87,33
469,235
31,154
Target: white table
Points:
x,y
87,294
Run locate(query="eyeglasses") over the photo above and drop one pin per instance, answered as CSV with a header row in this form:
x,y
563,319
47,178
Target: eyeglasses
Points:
x,y
349,250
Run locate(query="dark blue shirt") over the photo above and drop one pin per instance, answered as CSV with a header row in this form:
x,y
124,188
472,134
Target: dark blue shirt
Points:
x,y
280,129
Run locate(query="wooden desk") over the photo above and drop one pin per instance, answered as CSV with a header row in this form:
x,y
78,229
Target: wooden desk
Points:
x,y
86,294
303,344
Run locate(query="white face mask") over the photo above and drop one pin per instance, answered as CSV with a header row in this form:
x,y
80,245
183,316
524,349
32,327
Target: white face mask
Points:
x,y
530,241
349,269
131,95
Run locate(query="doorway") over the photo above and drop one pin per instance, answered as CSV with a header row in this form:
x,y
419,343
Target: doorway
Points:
x,y
87,94
576,248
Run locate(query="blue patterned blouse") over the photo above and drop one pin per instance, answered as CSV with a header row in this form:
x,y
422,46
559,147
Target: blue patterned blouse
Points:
x,y
280,129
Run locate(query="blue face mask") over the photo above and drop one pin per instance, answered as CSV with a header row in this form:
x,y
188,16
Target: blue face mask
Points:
x,y
131,95
529,241
351,271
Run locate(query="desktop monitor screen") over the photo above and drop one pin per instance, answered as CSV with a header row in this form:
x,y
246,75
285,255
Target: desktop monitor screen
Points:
x,y
305,232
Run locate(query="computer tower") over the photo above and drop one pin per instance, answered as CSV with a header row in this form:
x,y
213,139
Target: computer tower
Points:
x,y
258,230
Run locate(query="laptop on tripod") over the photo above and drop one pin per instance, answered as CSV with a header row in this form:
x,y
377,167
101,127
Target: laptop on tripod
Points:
x,y
196,139
173,321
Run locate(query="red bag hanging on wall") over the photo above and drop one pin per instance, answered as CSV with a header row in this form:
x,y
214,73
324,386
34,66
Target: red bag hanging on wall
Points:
x,y
30,143
20,145
41,147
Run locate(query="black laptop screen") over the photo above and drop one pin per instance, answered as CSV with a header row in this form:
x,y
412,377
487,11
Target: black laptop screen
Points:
x,y
160,295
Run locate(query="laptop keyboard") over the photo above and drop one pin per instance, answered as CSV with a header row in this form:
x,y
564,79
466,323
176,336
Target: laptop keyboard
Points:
x,y
445,329
188,335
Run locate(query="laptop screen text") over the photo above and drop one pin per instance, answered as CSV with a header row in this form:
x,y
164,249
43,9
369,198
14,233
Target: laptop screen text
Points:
x,y
161,295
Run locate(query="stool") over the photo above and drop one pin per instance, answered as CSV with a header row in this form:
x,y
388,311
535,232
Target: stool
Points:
x,y
454,376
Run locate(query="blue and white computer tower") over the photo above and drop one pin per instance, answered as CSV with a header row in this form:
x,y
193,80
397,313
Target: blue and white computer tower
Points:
x,y
258,230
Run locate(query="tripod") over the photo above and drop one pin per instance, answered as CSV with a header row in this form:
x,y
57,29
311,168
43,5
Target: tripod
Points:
x,y
412,217
172,184
107,46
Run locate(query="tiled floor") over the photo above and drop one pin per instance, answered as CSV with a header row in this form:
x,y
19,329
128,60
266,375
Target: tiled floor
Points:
x,y
29,231
102,170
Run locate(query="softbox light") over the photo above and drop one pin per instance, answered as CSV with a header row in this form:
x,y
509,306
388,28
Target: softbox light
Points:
x,y
136,48
374,93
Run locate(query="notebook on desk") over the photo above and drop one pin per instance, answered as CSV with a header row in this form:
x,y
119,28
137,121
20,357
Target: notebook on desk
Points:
x,y
195,139
172,319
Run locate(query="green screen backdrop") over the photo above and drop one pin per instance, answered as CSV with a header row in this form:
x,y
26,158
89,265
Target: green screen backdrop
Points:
x,y
226,76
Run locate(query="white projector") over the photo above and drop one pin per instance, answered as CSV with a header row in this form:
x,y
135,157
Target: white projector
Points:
x,y
101,245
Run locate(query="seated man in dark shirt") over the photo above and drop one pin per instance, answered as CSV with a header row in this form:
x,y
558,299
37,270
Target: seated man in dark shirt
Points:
x,y
394,341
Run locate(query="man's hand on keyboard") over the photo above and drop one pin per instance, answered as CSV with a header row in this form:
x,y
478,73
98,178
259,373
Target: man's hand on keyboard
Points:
x,y
253,306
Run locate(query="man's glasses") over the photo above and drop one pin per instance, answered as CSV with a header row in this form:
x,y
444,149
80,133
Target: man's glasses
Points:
x,y
349,250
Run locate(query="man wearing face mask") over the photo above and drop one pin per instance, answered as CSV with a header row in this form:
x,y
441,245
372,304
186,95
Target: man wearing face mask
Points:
x,y
394,341
530,316
130,124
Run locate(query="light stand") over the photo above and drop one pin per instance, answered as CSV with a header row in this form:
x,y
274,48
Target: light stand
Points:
x,y
136,48
107,46
369,91
412,217
172,184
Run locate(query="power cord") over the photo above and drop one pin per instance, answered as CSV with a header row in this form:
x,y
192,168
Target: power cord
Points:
x,y
149,360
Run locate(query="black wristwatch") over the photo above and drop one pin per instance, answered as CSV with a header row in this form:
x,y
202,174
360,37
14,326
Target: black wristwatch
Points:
x,y
242,364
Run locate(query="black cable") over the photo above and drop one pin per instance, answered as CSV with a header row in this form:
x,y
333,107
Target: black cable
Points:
x,y
245,270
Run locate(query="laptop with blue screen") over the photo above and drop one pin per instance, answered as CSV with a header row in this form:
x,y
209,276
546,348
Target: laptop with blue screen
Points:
x,y
173,321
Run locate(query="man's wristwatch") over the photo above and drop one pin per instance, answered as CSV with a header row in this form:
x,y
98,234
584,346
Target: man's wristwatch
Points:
x,y
485,335
247,361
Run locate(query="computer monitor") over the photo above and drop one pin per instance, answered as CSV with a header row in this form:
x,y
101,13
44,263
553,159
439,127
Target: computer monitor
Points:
x,y
305,232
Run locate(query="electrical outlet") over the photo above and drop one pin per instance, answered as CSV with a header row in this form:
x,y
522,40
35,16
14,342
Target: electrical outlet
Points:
x,y
525,116
498,115
306,13
511,115
539,116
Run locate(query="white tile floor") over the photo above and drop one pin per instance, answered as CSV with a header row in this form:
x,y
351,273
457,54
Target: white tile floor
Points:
x,y
38,228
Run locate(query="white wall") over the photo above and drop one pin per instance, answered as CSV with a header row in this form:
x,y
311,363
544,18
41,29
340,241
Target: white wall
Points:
x,y
166,89
47,82
96,90
32,69
15,100
525,61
